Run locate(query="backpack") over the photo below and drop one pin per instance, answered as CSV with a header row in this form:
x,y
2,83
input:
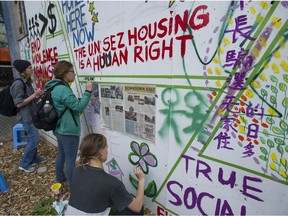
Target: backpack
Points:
x,y
44,118
7,107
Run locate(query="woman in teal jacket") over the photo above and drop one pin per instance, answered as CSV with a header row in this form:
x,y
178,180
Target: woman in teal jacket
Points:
x,y
69,108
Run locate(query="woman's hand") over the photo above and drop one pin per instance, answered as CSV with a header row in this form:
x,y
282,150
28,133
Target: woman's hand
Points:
x,y
139,173
38,92
89,86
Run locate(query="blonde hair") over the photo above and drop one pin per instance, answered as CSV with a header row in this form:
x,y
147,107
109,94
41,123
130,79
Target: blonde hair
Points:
x,y
61,68
90,147
28,78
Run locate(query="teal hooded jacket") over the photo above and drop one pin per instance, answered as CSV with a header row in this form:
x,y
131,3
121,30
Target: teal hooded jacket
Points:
x,y
63,96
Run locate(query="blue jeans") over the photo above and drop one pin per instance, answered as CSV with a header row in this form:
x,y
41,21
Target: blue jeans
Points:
x,y
30,152
67,153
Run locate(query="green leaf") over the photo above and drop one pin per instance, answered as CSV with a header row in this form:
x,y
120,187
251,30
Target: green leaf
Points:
x,y
273,99
277,130
44,207
264,93
279,141
262,140
151,189
270,120
270,143
285,77
273,78
134,182
280,149
283,125
262,157
264,150
243,119
265,132
286,148
282,87
274,89
285,103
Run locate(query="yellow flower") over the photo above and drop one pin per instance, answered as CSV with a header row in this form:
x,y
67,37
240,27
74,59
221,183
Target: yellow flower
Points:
x,y
272,166
283,173
275,68
249,93
284,65
259,18
209,70
220,111
262,41
230,21
218,71
216,60
252,10
277,22
282,43
255,84
226,41
221,50
264,5
241,129
255,52
218,83
284,161
271,111
274,157
277,54
263,77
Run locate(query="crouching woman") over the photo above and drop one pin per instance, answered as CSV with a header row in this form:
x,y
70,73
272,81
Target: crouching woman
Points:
x,y
93,191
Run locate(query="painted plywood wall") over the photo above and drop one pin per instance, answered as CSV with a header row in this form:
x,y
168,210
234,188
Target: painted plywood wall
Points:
x,y
207,82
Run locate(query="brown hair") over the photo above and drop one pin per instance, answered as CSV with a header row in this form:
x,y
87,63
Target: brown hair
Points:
x,y
90,147
61,68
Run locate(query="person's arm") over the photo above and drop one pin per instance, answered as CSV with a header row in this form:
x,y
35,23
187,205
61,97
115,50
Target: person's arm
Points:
x,y
18,93
29,99
70,100
137,202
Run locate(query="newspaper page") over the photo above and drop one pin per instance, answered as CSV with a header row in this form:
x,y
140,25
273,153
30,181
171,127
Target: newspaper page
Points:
x,y
140,109
129,109
93,106
112,107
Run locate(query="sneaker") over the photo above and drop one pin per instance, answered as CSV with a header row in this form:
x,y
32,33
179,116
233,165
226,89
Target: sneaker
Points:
x,y
62,181
28,170
40,160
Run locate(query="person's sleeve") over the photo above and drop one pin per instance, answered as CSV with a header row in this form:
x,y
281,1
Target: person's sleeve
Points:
x,y
17,92
70,100
120,197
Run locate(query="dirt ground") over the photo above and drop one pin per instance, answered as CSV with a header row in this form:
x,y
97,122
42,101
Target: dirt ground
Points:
x,y
27,189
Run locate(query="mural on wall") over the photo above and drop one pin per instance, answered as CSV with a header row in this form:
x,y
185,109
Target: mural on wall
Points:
x,y
219,72
142,157
114,169
42,59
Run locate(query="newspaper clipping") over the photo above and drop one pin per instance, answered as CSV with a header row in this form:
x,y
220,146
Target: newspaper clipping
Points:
x,y
129,109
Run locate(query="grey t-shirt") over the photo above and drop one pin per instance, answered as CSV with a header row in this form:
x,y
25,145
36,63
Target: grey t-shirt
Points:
x,y
17,91
93,190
